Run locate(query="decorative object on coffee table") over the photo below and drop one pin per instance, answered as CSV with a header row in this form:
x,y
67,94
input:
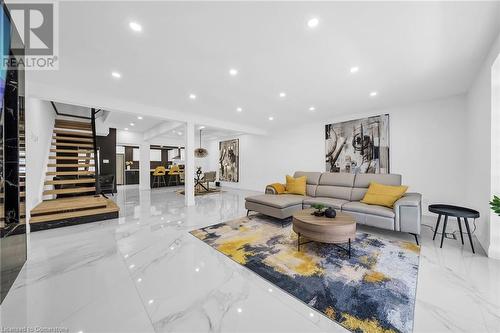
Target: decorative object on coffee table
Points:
x,y
319,209
330,213
459,213
341,230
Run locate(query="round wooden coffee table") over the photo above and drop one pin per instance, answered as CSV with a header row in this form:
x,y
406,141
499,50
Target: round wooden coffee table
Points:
x,y
339,230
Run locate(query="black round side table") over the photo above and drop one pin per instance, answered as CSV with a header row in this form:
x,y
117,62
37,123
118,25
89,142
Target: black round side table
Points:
x,y
459,213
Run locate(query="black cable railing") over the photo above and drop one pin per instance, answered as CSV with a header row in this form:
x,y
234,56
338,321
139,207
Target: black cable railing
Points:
x,y
96,157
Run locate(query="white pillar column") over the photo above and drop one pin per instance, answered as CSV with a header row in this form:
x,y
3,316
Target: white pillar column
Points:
x,y
189,165
144,166
494,246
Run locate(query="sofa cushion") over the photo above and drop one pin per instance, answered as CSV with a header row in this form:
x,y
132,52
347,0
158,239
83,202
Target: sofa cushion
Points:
x,y
312,181
360,207
329,202
362,182
296,185
277,201
383,195
337,179
335,185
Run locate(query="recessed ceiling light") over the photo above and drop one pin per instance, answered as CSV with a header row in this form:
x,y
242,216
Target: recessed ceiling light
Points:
x,y
354,69
116,75
151,301
139,117
373,94
271,118
240,310
282,94
179,133
239,109
132,124
313,22
135,26
126,128
202,127
312,108
233,72
192,96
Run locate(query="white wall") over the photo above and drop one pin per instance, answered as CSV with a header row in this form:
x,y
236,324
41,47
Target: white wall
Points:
x,y
39,127
426,146
479,122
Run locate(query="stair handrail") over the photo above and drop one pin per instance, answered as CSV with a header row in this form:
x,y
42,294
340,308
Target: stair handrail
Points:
x,y
67,114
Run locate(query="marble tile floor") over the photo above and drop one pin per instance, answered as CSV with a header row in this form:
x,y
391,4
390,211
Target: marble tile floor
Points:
x,y
144,272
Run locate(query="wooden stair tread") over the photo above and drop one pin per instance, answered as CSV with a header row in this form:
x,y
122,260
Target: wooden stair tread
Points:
x,y
67,204
69,190
71,124
80,151
71,144
69,181
70,173
72,158
72,133
70,165
80,213
72,139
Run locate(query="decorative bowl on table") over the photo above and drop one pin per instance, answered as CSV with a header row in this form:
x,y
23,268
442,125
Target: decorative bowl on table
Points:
x,y
330,213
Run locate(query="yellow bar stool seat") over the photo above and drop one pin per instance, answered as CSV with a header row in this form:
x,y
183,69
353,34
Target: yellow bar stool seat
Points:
x,y
159,176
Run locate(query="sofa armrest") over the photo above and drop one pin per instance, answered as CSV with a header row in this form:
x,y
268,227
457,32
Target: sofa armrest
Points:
x,y
408,212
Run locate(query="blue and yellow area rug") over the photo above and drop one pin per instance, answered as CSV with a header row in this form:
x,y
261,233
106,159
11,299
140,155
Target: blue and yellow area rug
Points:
x,y
374,291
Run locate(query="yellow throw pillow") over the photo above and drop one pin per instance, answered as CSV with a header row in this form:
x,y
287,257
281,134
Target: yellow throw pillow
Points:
x,y
279,188
296,185
383,195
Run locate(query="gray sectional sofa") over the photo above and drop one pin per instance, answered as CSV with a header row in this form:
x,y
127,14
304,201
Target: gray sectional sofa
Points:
x,y
343,191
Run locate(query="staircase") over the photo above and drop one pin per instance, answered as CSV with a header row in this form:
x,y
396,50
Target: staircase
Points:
x,y
70,193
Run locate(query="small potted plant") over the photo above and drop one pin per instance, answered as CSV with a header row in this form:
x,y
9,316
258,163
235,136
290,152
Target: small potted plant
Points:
x,y
320,209
495,205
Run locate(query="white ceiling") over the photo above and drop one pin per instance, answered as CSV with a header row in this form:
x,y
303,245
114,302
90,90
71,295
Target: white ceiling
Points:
x,y
407,51
122,120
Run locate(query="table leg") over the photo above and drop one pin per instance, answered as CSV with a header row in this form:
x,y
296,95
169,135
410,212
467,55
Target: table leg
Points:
x,y
444,230
460,229
468,233
349,248
437,227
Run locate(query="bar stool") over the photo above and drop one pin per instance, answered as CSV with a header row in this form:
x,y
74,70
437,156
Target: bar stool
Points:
x,y
173,175
158,176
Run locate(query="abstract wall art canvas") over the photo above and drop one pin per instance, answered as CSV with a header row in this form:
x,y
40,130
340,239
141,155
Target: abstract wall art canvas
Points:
x,y
358,146
229,160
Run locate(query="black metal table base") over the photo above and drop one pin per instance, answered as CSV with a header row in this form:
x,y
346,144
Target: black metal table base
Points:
x,y
459,213
347,250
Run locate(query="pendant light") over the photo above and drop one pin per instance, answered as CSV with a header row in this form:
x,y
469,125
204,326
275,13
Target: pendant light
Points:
x,y
200,152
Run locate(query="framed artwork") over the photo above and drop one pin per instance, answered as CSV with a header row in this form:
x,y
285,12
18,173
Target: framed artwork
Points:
x,y
229,160
358,146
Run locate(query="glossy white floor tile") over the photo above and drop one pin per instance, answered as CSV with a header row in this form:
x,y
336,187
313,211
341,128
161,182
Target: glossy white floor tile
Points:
x,y
144,272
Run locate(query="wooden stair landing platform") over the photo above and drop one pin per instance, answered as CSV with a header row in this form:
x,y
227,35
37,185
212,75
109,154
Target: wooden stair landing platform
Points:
x,y
71,211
